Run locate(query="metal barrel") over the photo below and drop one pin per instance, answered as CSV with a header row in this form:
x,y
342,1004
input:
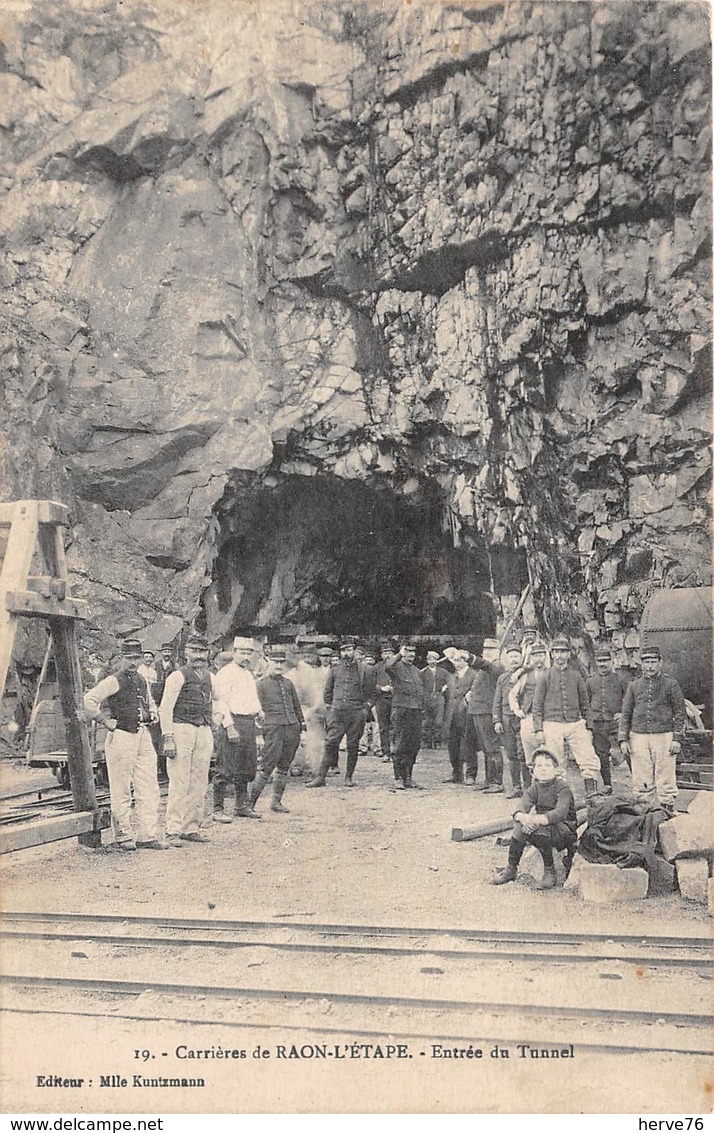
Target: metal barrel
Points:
x,y
680,623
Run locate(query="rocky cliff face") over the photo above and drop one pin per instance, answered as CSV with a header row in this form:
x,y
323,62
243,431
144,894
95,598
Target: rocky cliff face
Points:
x,y
438,272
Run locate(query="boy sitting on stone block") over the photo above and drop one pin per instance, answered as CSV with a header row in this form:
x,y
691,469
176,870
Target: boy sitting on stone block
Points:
x,y
545,818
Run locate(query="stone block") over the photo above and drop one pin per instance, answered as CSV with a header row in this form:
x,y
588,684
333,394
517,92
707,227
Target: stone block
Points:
x,y
688,835
531,864
663,878
607,884
572,883
710,886
702,807
693,879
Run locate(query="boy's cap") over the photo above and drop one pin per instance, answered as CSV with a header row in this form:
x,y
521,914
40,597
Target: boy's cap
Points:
x,y
490,643
243,643
547,754
276,653
538,647
514,647
197,641
650,653
325,651
602,653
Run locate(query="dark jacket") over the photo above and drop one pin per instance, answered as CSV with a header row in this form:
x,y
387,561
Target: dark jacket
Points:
x,y
554,800
606,694
407,682
652,705
501,709
561,697
483,687
279,700
348,686
434,680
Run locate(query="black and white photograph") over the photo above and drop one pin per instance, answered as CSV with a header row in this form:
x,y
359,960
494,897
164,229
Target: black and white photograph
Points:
x,y
355,557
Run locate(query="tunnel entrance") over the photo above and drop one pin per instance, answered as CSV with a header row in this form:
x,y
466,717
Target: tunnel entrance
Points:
x,y
335,556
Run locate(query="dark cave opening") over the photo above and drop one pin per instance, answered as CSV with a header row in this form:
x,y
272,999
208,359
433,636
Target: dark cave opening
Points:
x,y
326,555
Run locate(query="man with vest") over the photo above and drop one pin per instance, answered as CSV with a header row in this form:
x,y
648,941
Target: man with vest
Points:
x,y
407,710
283,723
436,686
606,689
561,713
236,710
186,715
348,703
653,719
479,734
128,712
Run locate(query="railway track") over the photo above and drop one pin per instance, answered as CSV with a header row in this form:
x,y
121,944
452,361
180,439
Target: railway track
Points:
x,y
416,984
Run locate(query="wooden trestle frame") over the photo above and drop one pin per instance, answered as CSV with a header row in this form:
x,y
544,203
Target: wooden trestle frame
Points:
x,y
33,524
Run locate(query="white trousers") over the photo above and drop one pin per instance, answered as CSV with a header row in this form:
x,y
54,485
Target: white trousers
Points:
x,y
188,778
653,767
528,739
579,742
131,762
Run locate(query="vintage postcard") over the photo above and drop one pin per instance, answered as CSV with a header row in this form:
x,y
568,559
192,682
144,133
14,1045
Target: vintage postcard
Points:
x,y
355,608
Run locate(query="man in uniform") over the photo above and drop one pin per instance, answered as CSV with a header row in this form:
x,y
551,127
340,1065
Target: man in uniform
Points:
x,y
462,679
479,734
129,709
407,709
383,701
147,668
436,686
561,712
282,725
606,690
236,709
520,697
653,718
186,715
347,699
507,725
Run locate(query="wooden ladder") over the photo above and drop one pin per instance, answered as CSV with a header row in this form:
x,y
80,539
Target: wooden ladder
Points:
x,y
33,525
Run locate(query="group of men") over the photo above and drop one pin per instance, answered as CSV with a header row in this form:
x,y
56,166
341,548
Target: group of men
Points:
x,y
475,703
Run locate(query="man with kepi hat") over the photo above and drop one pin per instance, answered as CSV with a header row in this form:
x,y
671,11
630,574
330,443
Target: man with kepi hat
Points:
x,y
347,698
561,712
186,715
436,686
124,704
651,725
407,709
236,710
606,689
283,723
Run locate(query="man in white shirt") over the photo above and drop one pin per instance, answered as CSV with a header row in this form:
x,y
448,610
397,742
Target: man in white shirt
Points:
x,y
236,709
131,757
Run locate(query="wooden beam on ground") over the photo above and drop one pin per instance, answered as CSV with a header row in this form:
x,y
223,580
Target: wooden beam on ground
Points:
x,y
39,831
498,826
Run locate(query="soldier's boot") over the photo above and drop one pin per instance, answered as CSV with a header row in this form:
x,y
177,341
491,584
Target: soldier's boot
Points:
x,y
510,873
243,808
318,779
279,784
256,789
549,879
219,815
350,770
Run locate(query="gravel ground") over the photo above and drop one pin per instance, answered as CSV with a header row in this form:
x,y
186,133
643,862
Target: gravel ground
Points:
x,y
368,855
